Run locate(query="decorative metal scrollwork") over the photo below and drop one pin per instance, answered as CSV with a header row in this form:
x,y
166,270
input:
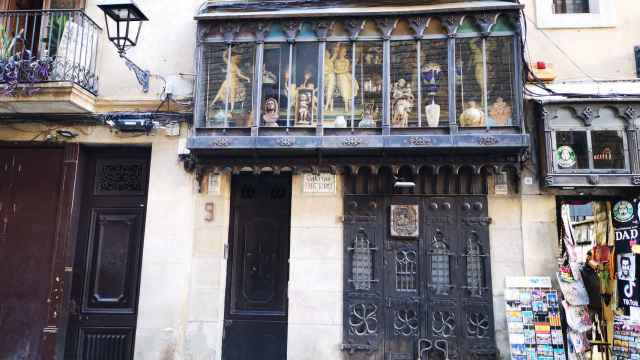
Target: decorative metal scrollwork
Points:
x,y
406,323
444,323
119,178
363,320
425,346
362,262
406,270
477,325
440,267
351,141
475,266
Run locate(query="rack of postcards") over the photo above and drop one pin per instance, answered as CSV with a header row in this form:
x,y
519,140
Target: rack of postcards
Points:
x,y
533,318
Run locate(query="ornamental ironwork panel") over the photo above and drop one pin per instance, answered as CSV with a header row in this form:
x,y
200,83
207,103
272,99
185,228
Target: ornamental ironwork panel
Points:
x,y
120,177
423,297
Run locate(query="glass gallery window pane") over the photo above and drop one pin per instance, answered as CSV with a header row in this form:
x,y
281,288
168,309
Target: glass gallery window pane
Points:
x,y
435,86
229,84
571,150
368,80
304,85
500,75
404,84
275,70
608,149
470,83
339,87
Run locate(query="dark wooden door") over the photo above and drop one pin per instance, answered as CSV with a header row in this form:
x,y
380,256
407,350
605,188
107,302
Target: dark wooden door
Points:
x,y
104,305
422,296
29,193
255,324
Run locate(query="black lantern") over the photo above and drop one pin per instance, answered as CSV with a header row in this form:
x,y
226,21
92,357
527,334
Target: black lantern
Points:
x,y
124,21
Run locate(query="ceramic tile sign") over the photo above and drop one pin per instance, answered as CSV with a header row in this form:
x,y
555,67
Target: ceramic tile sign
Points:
x,y
404,221
533,319
323,183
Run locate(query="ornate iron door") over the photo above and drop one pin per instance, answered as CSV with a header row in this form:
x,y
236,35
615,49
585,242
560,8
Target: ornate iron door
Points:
x,y
421,288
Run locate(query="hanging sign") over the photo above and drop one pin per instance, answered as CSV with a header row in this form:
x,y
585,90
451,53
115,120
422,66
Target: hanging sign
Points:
x,y
623,211
566,157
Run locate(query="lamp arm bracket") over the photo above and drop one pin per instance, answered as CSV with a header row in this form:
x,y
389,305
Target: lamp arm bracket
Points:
x,y
143,76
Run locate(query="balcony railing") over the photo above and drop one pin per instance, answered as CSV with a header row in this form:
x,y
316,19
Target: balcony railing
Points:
x,y
48,46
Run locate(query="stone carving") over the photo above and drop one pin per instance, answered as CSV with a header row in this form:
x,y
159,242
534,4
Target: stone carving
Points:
x,y
404,220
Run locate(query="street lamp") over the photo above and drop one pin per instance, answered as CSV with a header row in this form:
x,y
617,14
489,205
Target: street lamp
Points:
x,y
124,21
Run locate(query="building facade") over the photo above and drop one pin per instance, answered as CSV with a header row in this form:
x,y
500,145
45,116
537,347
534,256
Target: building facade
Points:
x,y
300,179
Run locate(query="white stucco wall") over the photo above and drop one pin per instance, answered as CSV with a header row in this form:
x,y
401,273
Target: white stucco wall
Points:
x,y
603,53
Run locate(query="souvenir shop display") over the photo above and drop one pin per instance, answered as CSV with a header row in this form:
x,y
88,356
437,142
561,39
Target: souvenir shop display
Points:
x,y
533,319
598,276
626,338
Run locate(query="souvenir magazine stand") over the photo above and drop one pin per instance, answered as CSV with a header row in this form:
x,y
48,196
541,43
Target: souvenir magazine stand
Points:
x,y
533,319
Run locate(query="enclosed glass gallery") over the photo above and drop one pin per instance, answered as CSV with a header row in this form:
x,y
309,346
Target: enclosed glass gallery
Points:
x,y
439,73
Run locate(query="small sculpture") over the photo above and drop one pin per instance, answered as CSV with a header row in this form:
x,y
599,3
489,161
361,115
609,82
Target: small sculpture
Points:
x,y
304,106
430,77
403,102
472,116
340,122
270,114
344,78
329,79
368,116
500,112
232,90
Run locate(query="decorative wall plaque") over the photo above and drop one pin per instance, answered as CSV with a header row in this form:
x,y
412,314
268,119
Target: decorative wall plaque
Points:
x,y
404,221
319,183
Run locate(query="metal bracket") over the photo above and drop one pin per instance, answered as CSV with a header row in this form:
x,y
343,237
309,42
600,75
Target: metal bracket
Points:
x,y
143,76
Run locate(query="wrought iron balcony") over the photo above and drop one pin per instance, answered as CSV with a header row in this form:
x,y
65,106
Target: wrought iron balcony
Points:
x,y
45,46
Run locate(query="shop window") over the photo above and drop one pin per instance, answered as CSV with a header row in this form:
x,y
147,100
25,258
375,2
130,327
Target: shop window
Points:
x,y
608,149
404,84
435,83
340,87
471,89
590,150
229,82
575,13
500,74
570,6
572,150
368,101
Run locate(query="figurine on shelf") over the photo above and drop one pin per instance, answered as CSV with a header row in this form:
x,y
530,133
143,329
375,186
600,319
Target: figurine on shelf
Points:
x,y
500,112
368,116
403,102
270,113
430,77
344,78
303,107
472,116
329,78
268,77
231,89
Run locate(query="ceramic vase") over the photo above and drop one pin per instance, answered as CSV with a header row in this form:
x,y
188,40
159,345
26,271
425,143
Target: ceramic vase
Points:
x,y
340,122
432,112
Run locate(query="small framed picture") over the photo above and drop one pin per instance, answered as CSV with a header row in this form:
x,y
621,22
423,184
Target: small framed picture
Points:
x,y
405,221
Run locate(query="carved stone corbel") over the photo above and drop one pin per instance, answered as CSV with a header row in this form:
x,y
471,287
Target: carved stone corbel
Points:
x,y
386,26
230,31
419,24
291,28
586,113
354,27
261,31
322,28
485,22
451,24
628,113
